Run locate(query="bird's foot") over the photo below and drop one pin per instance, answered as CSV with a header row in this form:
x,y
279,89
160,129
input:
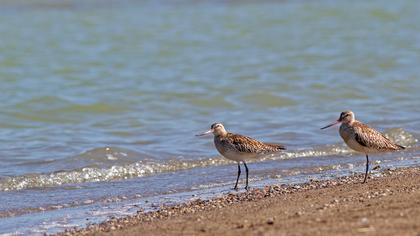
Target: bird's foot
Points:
x,y
246,188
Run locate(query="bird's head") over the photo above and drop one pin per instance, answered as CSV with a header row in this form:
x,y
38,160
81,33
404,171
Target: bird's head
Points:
x,y
346,117
217,129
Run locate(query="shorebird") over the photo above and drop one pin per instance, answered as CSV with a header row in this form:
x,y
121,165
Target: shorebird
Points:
x,y
239,148
362,138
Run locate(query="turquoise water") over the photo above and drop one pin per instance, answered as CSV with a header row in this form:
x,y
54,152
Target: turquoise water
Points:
x,y
100,101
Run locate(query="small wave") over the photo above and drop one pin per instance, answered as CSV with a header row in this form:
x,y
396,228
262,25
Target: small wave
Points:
x,y
137,169
107,156
111,169
79,176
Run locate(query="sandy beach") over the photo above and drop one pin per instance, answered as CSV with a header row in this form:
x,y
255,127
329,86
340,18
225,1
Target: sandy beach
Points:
x,y
386,205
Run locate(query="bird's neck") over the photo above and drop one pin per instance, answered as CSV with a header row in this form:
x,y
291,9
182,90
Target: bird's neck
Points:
x,y
221,135
349,123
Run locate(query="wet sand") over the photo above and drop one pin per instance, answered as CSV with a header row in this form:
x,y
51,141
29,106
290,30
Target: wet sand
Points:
x,y
386,205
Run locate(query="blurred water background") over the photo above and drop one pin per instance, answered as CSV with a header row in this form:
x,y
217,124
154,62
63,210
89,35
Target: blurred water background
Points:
x,y
100,100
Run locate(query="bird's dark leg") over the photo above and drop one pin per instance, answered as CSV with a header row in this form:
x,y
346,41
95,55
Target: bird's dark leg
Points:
x,y
367,168
237,178
246,168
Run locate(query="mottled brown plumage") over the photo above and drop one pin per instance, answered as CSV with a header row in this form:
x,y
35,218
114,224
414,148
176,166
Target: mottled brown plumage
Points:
x,y
369,139
240,148
230,142
362,138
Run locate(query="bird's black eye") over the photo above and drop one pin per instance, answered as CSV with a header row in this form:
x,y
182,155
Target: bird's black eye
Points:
x,y
214,126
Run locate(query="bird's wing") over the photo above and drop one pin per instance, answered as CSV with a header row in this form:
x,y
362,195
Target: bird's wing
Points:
x,y
371,138
249,145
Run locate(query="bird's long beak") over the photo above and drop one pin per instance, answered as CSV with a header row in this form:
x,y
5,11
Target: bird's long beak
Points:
x,y
335,123
205,133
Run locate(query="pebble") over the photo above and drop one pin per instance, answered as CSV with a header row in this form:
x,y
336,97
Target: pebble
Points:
x,y
364,222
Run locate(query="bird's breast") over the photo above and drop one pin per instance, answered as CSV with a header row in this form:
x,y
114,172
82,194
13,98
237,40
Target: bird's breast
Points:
x,y
348,134
221,146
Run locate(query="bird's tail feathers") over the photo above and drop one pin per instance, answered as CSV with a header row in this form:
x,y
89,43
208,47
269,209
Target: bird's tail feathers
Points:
x,y
276,146
400,147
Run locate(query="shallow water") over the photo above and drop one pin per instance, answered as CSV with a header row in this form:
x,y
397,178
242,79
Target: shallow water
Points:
x,y
101,101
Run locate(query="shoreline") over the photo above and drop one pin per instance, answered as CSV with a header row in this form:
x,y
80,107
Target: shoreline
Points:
x,y
386,205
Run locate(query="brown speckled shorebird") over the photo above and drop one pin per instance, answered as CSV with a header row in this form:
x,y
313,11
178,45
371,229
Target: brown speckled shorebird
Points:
x,y
239,148
362,138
